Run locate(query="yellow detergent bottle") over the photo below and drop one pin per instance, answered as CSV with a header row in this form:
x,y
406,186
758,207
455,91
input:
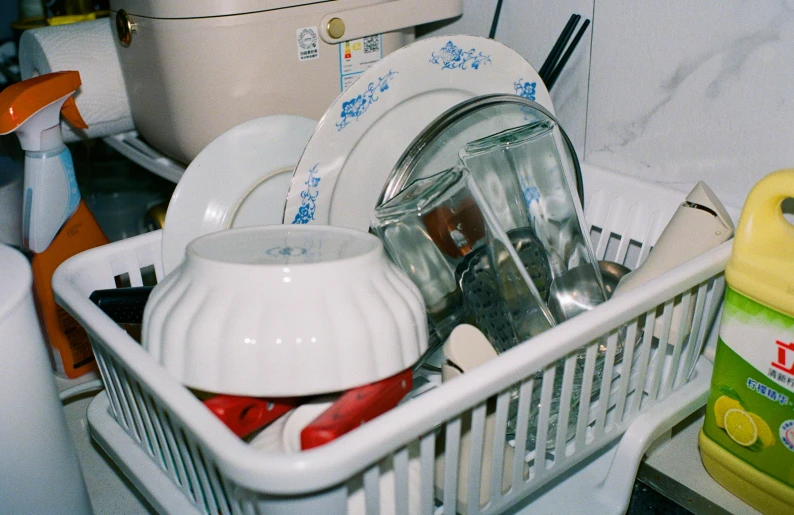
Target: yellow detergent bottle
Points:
x,y
747,440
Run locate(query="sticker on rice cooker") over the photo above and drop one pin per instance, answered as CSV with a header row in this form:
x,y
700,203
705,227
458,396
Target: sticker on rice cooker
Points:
x,y
308,43
356,56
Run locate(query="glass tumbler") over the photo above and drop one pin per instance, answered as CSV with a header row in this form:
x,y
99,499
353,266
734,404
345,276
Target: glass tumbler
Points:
x,y
525,174
441,231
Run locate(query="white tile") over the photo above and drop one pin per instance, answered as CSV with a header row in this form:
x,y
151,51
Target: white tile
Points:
x,y
687,91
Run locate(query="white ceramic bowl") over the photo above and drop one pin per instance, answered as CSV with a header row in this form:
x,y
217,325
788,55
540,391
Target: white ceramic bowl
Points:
x,y
285,310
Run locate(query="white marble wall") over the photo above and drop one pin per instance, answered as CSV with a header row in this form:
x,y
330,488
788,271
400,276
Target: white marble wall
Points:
x,y
687,91
672,91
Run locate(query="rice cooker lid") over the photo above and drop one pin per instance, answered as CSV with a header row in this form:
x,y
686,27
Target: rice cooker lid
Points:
x,y
201,8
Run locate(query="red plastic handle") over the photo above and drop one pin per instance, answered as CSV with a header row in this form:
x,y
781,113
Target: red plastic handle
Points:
x,y
356,407
244,415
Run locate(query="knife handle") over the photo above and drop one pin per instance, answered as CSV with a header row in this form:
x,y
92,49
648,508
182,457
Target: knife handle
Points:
x,y
122,305
244,415
355,407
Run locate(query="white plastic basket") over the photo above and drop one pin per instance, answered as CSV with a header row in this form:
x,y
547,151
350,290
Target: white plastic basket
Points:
x,y
389,464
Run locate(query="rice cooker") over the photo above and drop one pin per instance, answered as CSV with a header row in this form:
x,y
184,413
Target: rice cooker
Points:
x,y
195,69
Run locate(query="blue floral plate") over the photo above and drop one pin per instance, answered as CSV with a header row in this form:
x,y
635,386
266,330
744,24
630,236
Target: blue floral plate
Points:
x,y
351,154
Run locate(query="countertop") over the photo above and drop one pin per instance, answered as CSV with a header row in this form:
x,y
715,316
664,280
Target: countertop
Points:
x,y
674,468
110,491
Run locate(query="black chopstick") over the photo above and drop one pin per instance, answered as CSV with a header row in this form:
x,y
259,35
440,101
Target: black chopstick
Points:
x,y
495,21
567,55
558,47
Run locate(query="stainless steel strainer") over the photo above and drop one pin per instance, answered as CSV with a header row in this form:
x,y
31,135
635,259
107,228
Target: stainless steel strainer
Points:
x,y
497,304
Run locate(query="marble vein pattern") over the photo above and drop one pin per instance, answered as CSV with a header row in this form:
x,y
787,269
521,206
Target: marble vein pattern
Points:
x,y
681,92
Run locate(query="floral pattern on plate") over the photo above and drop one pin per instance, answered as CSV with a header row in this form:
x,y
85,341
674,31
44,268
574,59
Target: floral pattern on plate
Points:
x,y
531,194
356,106
286,251
309,195
452,56
525,89
368,127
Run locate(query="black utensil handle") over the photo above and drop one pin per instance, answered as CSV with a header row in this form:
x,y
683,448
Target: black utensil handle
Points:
x,y
122,305
495,21
564,59
559,46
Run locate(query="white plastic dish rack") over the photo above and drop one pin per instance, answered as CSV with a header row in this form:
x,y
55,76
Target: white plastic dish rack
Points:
x,y
436,452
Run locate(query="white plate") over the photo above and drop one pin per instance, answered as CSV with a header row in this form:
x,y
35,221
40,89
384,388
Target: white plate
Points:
x,y
284,434
350,156
239,180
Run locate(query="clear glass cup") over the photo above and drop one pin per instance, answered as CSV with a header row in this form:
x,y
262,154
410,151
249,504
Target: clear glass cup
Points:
x,y
441,231
525,175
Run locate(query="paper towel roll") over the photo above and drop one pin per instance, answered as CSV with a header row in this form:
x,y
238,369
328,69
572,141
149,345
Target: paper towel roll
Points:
x,y
87,47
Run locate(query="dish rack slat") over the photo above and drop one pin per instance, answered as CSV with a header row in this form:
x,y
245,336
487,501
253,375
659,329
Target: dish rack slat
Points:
x,y
575,389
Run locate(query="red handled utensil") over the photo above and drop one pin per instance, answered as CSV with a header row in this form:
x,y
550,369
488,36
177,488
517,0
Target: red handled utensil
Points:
x,y
356,407
244,415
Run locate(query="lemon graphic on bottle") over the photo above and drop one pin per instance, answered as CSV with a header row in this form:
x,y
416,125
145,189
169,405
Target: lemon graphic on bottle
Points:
x,y
743,427
740,427
721,407
765,435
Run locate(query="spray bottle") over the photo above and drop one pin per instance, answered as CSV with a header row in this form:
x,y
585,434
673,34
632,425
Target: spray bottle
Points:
x,y
56,224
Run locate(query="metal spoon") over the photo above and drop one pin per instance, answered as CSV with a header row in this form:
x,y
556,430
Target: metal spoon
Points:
x,y
574,292
612,273
578,290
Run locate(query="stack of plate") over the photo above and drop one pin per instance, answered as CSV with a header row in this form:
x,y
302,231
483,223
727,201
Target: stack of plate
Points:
x,y
293,170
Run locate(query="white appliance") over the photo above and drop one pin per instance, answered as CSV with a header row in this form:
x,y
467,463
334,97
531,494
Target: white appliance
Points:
x,y
195,69
37,453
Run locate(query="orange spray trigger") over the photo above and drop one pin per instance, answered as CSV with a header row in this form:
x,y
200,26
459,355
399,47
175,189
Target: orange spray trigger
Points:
x,y
72,115
20,101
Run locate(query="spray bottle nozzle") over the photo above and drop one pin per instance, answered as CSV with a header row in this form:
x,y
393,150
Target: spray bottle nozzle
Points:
x,y
34,105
